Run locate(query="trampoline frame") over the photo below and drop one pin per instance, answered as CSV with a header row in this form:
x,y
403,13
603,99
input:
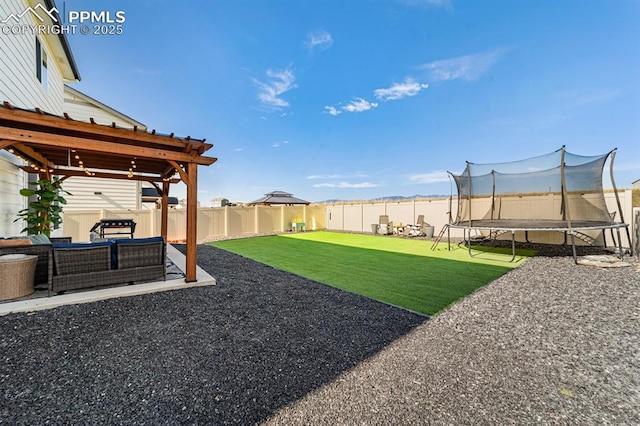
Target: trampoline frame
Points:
x,y
526,226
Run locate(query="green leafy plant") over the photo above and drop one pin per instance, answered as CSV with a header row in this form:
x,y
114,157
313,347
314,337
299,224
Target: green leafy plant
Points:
x,y
43,214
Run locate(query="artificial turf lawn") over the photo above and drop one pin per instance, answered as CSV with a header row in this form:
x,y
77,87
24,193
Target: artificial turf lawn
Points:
x,y
402,272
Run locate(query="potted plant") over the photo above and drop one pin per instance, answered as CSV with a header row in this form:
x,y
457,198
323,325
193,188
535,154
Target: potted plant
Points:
x,y
44,213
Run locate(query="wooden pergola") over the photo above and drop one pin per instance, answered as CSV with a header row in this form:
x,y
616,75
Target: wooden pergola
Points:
x,y
51,145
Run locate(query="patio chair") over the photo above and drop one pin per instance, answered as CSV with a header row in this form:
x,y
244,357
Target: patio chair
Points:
x,y
417,230
385,227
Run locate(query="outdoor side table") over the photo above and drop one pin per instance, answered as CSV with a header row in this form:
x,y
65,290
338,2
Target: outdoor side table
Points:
x,y
295,226
17,273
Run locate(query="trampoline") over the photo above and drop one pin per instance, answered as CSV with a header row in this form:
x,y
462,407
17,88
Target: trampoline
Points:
x,y
559,192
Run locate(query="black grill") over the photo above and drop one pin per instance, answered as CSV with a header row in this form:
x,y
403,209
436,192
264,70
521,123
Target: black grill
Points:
x,y
108,227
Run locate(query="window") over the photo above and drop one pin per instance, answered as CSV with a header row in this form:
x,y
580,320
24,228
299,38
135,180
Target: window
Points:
x,y
41,64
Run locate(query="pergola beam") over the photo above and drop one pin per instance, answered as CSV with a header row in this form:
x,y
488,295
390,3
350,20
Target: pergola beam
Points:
x,y
104,175
93,130
180,170
113,148
28,152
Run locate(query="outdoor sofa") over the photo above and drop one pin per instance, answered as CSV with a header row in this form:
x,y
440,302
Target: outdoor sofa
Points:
x,y
84,265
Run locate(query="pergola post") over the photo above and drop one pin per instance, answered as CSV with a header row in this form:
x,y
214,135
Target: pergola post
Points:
x,y
192,219
164,214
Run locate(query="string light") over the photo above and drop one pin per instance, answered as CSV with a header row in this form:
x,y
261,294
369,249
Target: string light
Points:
x,y
81,164
133,166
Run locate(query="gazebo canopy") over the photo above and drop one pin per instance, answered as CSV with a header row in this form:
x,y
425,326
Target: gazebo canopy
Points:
x,y
279,198
54,145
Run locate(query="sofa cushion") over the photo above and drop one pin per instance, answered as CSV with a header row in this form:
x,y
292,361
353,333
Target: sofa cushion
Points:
x,y
82,245
15,242
130,241
39,239
12,257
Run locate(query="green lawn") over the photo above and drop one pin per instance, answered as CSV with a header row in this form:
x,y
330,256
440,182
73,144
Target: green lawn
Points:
x,y
402,272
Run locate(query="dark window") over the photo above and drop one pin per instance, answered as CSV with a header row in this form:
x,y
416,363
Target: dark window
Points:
x,y
41,64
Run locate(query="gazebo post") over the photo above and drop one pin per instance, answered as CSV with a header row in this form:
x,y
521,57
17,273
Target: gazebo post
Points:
x,y
192,218
164,218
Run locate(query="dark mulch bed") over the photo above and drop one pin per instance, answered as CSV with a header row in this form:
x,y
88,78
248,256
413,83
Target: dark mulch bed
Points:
x,y
233,353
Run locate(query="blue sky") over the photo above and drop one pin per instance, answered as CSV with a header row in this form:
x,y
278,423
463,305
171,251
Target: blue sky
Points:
x,y
361,99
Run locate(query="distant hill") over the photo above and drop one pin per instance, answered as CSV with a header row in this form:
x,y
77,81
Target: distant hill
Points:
x,y
388,198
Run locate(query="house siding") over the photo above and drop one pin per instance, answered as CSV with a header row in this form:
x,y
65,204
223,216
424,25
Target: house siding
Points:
x,y
92,193
12,179
20,86
18,82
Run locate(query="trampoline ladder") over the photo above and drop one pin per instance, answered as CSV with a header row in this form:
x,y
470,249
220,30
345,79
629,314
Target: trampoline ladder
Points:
x,y
586,238
439,237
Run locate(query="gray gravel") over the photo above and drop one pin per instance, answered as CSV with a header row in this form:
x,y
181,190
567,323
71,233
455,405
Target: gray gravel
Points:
x,y
548,343
233,353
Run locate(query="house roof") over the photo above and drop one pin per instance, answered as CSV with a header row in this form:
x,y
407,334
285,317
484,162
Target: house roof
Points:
x,y
66,147
279,197
88,99
59,44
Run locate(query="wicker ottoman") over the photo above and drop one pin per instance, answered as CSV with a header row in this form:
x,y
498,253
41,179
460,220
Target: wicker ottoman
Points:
x,y
17,273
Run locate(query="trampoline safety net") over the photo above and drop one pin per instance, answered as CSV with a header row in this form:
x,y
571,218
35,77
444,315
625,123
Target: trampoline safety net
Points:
x,y
559,186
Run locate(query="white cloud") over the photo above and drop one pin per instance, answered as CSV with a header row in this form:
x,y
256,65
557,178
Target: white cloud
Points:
x,y
332,110
431,177
320,39
337,176
409,87
280,83
469,67
279,144
359,105
239,149
347,185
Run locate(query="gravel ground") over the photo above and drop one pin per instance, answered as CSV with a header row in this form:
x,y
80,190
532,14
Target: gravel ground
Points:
x,y
548,343
233,353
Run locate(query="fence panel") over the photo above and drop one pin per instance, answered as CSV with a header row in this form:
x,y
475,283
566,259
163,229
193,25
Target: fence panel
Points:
x,y
269,220
219,222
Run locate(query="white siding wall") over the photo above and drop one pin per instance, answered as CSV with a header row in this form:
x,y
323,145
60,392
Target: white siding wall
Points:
x,y
20,86
18,82
115,194
12,180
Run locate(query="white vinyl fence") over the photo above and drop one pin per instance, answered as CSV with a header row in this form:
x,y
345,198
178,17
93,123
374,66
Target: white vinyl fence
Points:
x,y
229,222
359,216
213,223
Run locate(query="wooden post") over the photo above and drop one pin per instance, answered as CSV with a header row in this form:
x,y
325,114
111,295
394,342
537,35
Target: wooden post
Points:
x,y
192,219
164,218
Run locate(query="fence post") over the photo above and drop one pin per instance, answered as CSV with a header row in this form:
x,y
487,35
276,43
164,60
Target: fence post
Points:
x,y
282,219
226,221
256,220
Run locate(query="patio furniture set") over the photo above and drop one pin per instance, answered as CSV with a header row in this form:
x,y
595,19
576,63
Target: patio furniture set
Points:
x,y
387,227
60,265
